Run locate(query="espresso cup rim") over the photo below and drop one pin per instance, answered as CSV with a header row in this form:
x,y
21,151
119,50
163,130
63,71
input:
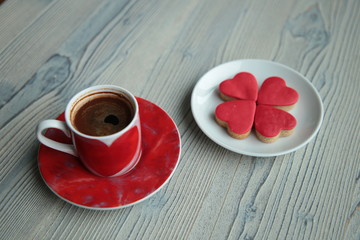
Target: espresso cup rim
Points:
x,y
95,89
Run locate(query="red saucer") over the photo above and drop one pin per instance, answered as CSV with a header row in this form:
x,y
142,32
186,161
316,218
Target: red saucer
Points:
x,y
65,175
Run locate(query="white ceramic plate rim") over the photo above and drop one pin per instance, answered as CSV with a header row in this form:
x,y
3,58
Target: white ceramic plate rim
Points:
x,y
309,110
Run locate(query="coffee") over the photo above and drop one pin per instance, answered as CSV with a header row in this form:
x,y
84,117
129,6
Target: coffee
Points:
x,y
101,114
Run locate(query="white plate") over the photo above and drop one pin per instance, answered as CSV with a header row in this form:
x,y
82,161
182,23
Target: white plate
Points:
x,y
308,111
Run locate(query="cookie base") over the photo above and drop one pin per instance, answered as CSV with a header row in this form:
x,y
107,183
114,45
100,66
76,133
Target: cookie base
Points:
x,y
226,97
231,133
285,108
283,133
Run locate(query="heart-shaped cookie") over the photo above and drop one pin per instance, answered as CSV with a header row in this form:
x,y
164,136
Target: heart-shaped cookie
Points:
x,y
237,116
274,92
272,123
243,86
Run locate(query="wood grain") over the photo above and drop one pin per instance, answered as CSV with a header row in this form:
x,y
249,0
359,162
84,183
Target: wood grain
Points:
x,y
49,50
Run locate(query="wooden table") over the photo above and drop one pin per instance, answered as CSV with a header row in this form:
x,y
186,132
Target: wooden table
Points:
x,y
49,50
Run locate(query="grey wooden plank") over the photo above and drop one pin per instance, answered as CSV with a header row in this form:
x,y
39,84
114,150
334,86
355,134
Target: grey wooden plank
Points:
x,y
158,50
11,24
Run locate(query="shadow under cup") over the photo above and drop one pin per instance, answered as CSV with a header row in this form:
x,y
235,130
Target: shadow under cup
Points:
x,y
105,127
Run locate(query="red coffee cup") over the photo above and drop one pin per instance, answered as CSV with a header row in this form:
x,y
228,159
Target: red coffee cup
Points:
x,y
91,119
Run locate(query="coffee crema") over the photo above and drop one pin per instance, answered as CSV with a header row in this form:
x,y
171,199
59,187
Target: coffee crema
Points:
x,y
101,114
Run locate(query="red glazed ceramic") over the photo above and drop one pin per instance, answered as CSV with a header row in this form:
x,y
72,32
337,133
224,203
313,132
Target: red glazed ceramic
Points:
x,y
106,155
67,177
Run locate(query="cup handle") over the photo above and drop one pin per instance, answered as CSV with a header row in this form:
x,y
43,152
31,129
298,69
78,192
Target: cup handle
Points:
x,y
67,148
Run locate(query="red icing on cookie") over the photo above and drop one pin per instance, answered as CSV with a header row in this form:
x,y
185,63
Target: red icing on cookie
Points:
x,y
242,86
274,92
270,121
238,115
